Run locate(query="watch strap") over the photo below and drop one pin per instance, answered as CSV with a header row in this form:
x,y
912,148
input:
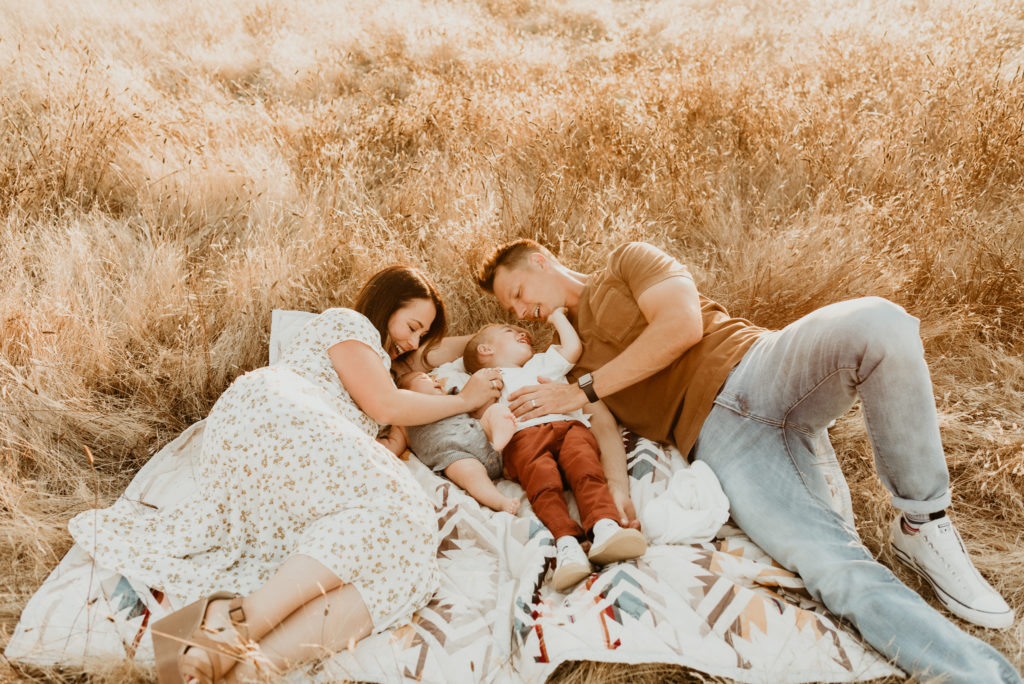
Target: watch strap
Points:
x,y
586,383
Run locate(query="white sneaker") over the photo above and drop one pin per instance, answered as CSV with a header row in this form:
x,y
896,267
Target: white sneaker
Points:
x,y
937,553
613,543
571,564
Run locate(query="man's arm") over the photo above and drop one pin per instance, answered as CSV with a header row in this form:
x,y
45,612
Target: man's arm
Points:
x,y
674,324
613,460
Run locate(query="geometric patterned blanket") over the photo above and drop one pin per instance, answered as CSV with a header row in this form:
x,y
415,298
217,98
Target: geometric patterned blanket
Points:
x,y
721,607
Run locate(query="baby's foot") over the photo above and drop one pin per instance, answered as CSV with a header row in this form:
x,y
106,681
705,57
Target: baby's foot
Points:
x,y
509,505
500,423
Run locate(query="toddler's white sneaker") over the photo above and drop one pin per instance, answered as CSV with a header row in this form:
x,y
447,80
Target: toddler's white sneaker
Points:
x,y
613,543
571,564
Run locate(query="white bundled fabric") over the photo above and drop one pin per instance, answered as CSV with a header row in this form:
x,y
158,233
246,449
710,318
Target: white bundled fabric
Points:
x,y
691,510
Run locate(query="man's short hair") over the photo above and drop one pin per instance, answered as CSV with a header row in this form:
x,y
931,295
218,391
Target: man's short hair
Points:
x,y
511,254
470,357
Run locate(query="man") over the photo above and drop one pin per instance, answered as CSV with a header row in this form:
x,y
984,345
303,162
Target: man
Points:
x,y
674,366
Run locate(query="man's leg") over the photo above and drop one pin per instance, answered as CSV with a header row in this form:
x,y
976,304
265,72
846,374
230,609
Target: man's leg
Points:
x,y
813,370
760,441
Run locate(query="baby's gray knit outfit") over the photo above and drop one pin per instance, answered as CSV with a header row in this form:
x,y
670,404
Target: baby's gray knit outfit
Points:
x,y
448,440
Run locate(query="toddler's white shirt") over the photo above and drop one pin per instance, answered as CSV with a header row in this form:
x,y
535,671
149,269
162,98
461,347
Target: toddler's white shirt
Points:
x,y
547,364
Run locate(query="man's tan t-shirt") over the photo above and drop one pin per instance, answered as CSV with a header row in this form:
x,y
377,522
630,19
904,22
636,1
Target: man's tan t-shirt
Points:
x,y
671,405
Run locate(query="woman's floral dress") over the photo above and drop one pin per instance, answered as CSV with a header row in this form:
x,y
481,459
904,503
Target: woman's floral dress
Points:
x,y
289,465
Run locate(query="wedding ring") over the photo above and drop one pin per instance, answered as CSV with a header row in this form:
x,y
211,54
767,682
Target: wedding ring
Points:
x,y
533,403
494,384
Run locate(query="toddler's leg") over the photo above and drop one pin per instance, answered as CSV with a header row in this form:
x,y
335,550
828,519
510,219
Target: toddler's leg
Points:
x,y
499,425
471,475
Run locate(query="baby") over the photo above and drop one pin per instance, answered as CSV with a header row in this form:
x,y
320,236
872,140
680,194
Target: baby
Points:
x,y
465,449
545,449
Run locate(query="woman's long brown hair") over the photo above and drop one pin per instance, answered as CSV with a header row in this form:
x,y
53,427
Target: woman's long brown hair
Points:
x,y
392,288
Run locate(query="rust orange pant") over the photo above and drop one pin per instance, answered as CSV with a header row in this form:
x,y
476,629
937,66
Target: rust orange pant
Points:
x,y
539,456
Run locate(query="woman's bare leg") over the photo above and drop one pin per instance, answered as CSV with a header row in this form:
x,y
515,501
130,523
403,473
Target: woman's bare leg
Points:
x,y
471,475
328,624
299,580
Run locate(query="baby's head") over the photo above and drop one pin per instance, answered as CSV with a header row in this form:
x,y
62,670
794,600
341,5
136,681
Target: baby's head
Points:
x,y
496,346
417,381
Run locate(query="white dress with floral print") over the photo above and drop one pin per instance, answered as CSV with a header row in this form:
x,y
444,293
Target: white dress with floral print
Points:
x,y
289,465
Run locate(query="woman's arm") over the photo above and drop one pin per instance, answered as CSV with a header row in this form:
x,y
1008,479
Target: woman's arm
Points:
x,y
448,349
369,384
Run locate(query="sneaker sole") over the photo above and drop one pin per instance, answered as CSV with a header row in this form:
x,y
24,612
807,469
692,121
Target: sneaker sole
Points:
x,y
973,615
569,576
623,545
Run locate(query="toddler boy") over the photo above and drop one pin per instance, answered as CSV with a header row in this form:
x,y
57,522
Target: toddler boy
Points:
x,y
545,449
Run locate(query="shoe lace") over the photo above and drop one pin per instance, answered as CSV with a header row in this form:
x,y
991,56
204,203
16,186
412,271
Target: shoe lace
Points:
x,y
950,537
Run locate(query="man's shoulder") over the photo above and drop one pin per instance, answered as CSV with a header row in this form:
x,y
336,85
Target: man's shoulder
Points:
x,y
638,259
637,265
635,250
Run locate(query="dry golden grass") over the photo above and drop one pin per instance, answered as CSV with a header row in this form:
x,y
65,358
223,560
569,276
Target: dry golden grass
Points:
x,y
171,172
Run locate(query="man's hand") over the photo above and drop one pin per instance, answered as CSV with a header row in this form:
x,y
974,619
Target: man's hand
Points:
x,y
627,512
534,401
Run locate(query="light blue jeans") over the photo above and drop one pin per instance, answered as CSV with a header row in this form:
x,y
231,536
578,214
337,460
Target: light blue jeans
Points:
x,y
760,440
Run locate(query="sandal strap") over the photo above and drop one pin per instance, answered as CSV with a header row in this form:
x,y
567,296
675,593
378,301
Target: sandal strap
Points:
x,y
199,639
237,614
214,648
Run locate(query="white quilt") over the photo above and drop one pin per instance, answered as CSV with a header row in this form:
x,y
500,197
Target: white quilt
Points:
x,y
722,607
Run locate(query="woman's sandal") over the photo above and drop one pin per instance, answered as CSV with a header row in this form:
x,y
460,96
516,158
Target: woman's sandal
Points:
x,y
183,629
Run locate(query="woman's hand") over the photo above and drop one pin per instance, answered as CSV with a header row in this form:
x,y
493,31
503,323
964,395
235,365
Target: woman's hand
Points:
x,y
483,387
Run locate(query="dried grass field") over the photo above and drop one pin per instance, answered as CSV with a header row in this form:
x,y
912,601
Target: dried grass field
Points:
x,y
171,172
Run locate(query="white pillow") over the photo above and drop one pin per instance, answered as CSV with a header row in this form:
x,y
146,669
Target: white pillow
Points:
x,y
284,325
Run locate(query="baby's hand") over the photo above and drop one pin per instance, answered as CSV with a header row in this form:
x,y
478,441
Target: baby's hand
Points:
x,y
560,312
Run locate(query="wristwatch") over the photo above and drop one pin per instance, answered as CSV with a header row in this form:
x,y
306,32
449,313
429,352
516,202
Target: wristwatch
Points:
x,y
586,383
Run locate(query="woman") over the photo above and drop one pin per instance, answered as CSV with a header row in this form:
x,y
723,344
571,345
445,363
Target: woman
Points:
x,y
297,504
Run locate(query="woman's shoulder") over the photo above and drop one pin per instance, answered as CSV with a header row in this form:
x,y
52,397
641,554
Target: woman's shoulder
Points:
x,y
340,323
342,312
340,315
